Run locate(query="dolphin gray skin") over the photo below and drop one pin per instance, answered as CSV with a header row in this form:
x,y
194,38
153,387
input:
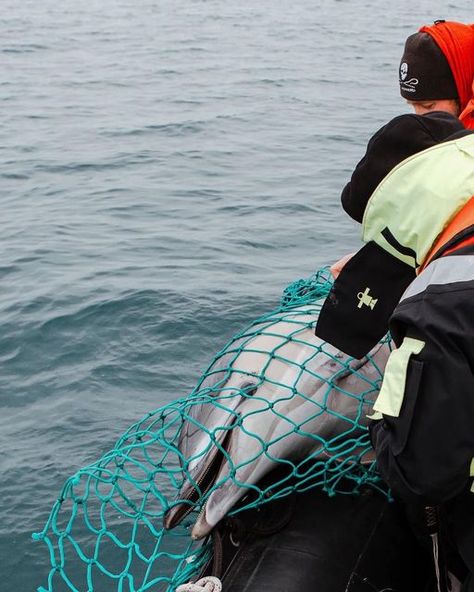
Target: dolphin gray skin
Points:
x,y
260,408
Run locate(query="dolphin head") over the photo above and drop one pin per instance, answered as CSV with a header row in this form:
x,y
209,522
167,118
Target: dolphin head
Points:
x,y
272,397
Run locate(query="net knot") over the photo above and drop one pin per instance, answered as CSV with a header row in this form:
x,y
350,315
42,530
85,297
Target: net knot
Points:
x,y
207,584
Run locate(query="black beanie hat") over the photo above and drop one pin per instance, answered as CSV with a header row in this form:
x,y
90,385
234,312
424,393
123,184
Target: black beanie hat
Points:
x,y
424,72
400,138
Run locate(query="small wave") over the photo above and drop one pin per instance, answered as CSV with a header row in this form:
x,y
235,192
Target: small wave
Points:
x,y
7,356
168,129
120,162
8,269
37,116
26,48
15,176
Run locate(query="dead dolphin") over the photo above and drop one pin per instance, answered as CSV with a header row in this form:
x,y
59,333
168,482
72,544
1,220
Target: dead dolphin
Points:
x,y
279,394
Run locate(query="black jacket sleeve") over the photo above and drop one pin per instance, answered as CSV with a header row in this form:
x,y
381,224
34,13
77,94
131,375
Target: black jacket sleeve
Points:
x,y
425,453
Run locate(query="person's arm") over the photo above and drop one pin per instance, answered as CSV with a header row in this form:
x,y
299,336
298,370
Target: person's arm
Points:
x,y
336,268
425,442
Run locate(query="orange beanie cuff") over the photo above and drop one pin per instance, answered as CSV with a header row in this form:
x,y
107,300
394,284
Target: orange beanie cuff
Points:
x,y
456,41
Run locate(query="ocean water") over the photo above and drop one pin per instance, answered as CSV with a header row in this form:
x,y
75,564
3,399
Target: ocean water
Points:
x,y
168,167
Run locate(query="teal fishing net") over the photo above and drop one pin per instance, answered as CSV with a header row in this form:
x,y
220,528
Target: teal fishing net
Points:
x,y
274,396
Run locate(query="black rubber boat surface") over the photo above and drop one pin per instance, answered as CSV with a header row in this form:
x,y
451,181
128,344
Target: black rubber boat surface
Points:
x,y
309,542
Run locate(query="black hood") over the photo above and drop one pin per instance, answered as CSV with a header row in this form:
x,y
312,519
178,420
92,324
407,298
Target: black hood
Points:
x,y
400,138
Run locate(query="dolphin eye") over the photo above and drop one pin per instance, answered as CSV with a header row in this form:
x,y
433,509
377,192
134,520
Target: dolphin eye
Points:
x,y
249,389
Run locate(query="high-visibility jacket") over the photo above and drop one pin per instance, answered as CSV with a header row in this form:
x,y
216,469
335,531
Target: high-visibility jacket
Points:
x,y
424,441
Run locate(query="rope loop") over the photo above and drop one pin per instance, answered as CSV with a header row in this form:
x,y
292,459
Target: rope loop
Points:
x,y
207,584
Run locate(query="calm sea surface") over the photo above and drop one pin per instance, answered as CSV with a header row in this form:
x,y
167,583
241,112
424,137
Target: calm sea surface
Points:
x,y
168,166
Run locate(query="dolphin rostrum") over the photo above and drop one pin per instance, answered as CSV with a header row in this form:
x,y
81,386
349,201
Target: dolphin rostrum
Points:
x,y
276,394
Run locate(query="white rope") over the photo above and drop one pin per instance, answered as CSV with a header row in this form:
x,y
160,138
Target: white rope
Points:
x,y
208,584
434,540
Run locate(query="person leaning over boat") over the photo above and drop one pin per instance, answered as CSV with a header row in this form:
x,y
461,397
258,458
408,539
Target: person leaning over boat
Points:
x,y
417,215
436,70
436,73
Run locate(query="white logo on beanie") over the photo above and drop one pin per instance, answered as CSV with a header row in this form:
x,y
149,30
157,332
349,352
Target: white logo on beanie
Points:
x,y
403,70
407,85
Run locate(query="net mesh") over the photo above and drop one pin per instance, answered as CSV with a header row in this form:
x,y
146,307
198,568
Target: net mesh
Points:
x,y
274,396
